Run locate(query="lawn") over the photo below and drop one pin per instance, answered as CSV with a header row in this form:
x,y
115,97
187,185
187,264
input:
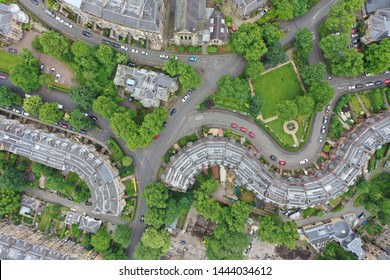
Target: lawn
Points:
x,y
117,153
275,86
367,101
356,108
8,60
277,127
246,196
44,221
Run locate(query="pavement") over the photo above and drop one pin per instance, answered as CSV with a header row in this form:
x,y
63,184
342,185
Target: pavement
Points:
x,y
147,161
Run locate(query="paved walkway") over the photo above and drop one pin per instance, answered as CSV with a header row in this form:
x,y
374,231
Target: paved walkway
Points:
x,y
292,132
251,86
260,117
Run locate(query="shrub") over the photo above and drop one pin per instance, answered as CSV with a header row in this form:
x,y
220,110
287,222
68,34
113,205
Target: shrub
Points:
x,y
212,49
191,49
181,49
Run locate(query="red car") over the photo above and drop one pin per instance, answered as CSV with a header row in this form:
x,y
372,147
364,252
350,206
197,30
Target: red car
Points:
x,y
243,129
233,125
251,134
387,81
282,162
156,137
359,50
232,28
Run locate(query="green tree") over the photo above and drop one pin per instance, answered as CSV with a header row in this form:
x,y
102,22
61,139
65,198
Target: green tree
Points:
x,y
253,69
276,55
87,242
271,34
350,64
46,80
188,77
122,235
255,105
156,195
127,161
12,179
333,251
209,186
335,128
79,121
284,9
26,74
313,73
273,230
106,107
32,104
8,98
121,58
334,46
303,46
248,42
54,44
305,105
207,206
339,20
155,216
353,5
236,216
118,254
377,57
49,112
80,50
287,110
9,201
83,96
105,55
101,240
153,245
322,93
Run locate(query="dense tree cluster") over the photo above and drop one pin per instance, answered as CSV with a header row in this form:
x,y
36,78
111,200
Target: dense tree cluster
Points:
x,y
287,110
32,104
288,9
313,73
50,113
8,98
122,235
188,77
303,44
377,57
273,230
153,245
26,73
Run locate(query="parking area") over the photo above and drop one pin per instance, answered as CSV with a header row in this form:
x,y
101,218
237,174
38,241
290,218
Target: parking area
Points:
x,y
67,77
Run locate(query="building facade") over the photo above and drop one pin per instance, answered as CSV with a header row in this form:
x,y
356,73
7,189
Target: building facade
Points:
x,y
378,26
243,8
11,23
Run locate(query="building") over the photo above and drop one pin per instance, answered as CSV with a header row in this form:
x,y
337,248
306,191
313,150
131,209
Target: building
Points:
x,y
371,6
89,224
24,243
72,218
61,153
383,240
142,19
378,26
11,21
243,8
337,230
374,252
149,87
341,171
28,205
194,24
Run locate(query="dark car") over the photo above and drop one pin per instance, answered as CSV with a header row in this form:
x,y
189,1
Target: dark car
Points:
x,y
131,64
362,216
35,2
82,131
273,157
359,86
86,33
92,117
106,42
12,50
115,45
378,83
165,124
131,99
70,198
87,203
174,110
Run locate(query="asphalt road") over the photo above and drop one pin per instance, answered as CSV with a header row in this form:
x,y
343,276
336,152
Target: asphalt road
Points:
x,y
148,160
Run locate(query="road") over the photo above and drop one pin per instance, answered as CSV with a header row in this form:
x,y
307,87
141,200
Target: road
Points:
x,y
147,161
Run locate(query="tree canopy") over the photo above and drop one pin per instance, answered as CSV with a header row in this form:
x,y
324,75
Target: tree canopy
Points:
x,y
12,179
322,93
153,245
101,240
287,110
313,73
303,45
253,69
83,96
32,104
305,105
8,98
276,55
50,113
122,235
78,120
273,230
26,73
377,57
54,44
9,201
188,77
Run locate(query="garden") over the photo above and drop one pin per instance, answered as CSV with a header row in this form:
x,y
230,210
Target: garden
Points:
x,y
8,60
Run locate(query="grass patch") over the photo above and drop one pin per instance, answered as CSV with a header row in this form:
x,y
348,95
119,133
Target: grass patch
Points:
x,y
117,153
28,220
45,220
275,86
182,219
8,60
246,196
367,102
335,202
356,108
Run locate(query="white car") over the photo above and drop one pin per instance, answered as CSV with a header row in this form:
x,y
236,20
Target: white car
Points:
x,y
144,53
320,139
351,87
124,48
185,97
368,74
263,12
62,21
303,161
58,78
134,51
27,95
369,84
355,35
26,114
163,56
58,18
174,57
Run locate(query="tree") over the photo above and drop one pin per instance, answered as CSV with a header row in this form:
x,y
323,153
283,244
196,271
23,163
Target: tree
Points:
x,y
207,206
12,179
50,113
153,245
334,46
377,57
339,19
236,216
32,104
46,80
271,34
284,9
300,7
248,42
8,98
353,5
209,186
255,105
156,195
322,93
155,216
253,69
303,46
287,110
54,44
87,242
121,58
273,230
80,50
78,120
101,240
276,55
105,55
127,161
106,107
9,201
122,235
83,96
350,64
118,254
313,73
305,105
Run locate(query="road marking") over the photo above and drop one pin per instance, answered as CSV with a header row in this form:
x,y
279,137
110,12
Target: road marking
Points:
x,y
198,118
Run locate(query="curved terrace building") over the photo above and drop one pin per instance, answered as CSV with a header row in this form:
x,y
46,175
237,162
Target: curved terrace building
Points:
x,y
341,171
52,150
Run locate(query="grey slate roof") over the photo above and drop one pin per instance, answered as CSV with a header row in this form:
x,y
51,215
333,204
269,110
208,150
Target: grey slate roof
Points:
x,y
380,25
340,172
373,5
218,28
190,15
248,6
30,202
89,224
5,20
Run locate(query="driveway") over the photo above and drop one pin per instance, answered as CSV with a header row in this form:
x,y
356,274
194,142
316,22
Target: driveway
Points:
x,y
67,77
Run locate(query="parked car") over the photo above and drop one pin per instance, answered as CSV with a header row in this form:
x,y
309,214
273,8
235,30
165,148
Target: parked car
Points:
x,y
320,140
2,77
243,129
27,95
263,12
328,108
156,137
60,106
42,68
378,83
232,28
174,57
86,33
323,129
351,87
12,50
17,110
325,120
70,198
165,124
142,219
173,112
355,41
124,48
35,2
387,81
362,216
164,56
359,86
282,162
144,53
251,134
53,71
233,125
108,43
68,24
132,64
58,78
134,51
92,117
185,97
131,98
303,161
192,58
83,131
64,125
369,84
273,157
115,45
355,35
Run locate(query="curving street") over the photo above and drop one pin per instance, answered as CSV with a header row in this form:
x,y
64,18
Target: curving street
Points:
x,y
147,161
